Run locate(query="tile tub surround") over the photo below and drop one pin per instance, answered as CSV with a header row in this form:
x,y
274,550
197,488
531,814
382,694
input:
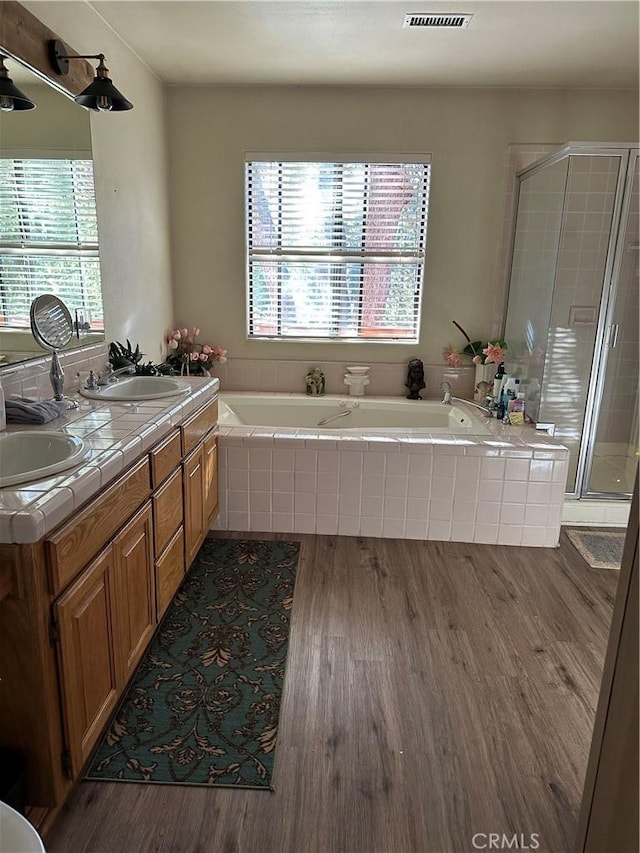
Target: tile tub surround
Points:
x,y
506,488
118,434
385,379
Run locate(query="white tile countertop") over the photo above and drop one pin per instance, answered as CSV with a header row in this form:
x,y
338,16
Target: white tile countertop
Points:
x,y
118,433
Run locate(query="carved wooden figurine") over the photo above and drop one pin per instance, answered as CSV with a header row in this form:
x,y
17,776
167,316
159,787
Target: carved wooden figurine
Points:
x,y
415,379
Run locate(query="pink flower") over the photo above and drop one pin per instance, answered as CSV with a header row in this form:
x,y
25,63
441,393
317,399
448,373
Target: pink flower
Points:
x,y
195,331
184,333
194,356
173,344
203,356
176,335
207,349
222,359
477,359
494,353
451,357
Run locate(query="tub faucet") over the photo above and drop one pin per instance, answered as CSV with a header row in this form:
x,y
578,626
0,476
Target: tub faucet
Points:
x,y
446,387
448,397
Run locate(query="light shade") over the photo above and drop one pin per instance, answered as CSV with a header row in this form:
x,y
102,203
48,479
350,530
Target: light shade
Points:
x,y
100,95
11,98
100,92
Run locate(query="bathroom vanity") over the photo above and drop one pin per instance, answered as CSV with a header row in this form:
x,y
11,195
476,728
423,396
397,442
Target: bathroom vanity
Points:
x,y
82,591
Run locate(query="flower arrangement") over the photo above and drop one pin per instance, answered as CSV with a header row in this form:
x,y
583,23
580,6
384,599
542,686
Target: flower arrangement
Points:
x,y
189,357
481,352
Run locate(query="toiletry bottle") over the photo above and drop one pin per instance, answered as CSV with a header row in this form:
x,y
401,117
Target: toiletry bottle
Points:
x,y
3,412
497,382
511,390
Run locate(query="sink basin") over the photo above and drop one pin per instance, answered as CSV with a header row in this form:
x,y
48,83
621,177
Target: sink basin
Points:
x,y
138,388
34,454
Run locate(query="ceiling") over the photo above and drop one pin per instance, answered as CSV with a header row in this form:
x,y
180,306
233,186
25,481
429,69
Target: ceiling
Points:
x,y
513,43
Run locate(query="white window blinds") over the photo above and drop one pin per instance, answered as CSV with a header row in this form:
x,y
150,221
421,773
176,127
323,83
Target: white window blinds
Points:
x,y
48,238
335,250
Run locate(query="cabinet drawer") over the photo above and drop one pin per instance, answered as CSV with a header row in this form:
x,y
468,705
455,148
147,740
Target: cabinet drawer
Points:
x,y
78,541
167,511
165,458
198,425
169,572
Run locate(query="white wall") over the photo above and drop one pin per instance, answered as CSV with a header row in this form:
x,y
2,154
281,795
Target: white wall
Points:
x,y
130,164
467,132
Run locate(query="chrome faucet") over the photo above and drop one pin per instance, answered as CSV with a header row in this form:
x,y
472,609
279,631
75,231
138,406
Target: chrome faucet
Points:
x,y
111,375
448,397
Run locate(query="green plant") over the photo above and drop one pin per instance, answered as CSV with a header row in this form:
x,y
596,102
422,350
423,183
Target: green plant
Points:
x,y
125,356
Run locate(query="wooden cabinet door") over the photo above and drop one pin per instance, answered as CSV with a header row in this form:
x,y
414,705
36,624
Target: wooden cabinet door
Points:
x,y
169,572
194,521
135,587
88,656
210,479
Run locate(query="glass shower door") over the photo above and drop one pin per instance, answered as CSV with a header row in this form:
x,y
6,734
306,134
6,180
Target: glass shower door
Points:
x,y
533,273
612,464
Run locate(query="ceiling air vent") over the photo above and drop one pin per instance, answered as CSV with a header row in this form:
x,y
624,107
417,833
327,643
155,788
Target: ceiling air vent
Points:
x,y
430,19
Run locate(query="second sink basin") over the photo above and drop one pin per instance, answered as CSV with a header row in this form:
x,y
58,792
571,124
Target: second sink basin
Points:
x,y
34,454
138,388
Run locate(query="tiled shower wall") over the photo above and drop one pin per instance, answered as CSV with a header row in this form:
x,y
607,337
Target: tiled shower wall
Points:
x,y
582,256
619,410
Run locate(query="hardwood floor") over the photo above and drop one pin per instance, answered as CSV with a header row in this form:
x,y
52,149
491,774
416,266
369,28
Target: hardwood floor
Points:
x,y
433,691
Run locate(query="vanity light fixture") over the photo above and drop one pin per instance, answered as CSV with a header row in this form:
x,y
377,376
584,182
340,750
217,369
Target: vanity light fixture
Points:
x,y
100,95
11,98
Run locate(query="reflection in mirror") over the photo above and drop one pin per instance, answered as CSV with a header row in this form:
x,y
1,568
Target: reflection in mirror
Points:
x,y
48,230
51,322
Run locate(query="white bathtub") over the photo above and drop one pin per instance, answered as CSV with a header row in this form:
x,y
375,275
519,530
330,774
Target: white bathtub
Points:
x,y
394,468
346,414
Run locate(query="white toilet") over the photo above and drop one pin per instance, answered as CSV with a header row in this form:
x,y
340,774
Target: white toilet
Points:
x,y
16,833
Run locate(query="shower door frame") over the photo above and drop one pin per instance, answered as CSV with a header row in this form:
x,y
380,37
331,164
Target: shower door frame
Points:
x,y
598,380
595,388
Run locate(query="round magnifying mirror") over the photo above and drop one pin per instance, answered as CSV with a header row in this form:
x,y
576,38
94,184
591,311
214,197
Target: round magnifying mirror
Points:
x,y
52,327
51,322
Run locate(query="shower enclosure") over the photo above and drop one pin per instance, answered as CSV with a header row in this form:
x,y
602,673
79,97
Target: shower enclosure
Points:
x,y
572,316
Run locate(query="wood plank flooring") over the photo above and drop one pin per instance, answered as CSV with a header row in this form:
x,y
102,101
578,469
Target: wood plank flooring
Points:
x,y
433,691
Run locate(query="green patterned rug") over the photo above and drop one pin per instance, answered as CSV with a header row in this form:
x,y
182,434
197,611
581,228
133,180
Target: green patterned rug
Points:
x,y
203,705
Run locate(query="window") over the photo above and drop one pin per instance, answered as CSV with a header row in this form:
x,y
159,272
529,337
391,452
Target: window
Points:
x,y
335,250
48,238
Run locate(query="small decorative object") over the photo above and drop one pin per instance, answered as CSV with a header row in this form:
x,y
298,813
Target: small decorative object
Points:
x,y
356,379
190,358
315,382
415,379
483,354
480,352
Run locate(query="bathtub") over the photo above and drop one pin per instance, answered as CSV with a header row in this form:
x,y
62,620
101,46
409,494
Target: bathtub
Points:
x,y
408,469
347,415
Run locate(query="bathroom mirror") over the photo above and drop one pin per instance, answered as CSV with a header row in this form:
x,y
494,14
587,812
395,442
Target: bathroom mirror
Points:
x,y
51,322
50,147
